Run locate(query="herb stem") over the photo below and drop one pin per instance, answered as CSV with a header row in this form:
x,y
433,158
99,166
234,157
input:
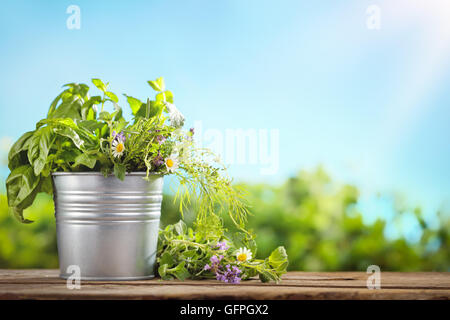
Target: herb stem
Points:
x,y
191,243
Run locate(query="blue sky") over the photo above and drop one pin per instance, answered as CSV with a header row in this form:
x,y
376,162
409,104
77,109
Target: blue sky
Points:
x,y
371,106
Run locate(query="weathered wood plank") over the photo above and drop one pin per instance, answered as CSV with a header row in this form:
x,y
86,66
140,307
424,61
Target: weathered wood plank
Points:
x,y
413,280
34,291
45,284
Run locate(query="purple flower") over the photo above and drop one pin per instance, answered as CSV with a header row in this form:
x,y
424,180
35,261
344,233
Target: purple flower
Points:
x,y
192,131
119,136
160,139
220,277
222,245
216,260
231,275
226,274
236,270
215,263
158,161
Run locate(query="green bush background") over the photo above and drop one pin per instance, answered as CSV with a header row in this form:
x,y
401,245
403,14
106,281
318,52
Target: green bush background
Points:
x,y
315,218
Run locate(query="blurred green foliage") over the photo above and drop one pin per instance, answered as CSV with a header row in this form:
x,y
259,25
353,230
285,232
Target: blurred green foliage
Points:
x,y
322,228
28,245
315,218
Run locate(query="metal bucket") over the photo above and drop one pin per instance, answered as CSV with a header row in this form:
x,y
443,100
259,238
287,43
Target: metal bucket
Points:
x,y
107,227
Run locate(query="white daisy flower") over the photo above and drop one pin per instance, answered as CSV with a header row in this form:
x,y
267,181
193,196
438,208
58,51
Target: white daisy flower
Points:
x,y
118,148
175,116
243,254
172,163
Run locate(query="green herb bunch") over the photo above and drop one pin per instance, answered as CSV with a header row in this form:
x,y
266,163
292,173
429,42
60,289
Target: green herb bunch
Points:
x,y
184,253
79,134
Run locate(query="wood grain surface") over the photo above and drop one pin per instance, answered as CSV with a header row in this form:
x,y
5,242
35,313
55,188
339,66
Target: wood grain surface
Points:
x,y
45,284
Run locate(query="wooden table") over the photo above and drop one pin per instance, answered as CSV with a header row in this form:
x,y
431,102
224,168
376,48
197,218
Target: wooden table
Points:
x,y
45,284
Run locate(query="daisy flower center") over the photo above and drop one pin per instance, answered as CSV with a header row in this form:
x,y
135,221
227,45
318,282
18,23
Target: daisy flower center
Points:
x,y
242,257
119,147
169,163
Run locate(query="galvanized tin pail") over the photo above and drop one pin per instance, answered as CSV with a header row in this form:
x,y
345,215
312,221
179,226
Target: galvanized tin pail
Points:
x,y
107,227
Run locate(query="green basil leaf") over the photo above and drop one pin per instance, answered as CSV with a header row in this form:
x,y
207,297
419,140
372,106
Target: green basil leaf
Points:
x,y
81,135
166,258
135,104
64,122
99,84
180,272
278,259
90,114
78,89
70,108
90,125
39,146
151,109
105,116
72,135
162,271
165,96
112,96
119,171
120,125
85,160
118,115
104,130
266,276
189,254
87,110
54,104
158,84
67,156
16,153
142,111
18,213
20,185
46,185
